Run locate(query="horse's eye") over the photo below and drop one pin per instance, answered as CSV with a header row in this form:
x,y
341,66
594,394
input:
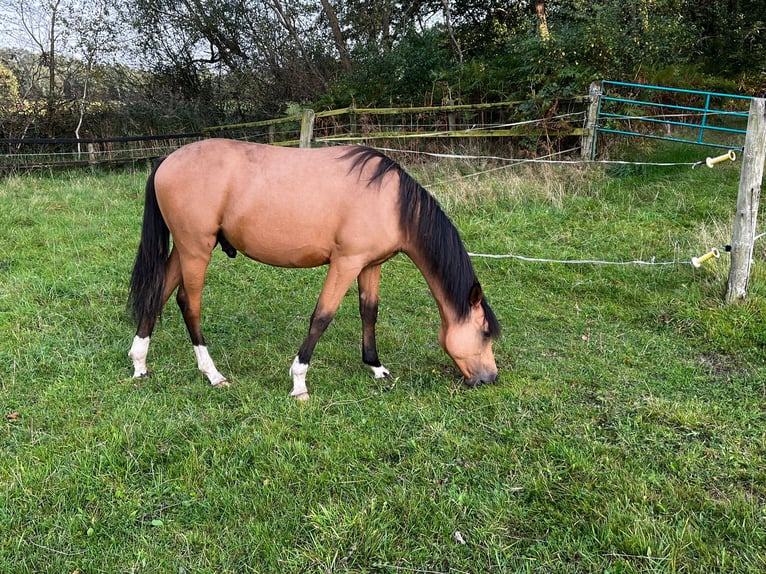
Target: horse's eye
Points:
x,y
486,334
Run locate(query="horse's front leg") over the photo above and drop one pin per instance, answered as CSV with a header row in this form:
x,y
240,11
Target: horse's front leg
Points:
x,y
369,283
339,278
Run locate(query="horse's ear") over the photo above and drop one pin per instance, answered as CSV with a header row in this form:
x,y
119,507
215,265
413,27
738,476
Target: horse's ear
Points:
x,y
476,295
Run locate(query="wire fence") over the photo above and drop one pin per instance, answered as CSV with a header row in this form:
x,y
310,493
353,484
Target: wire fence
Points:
x,y
365,125
24,154
408,128
503,127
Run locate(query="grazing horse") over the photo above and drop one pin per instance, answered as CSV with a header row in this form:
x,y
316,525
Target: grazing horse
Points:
x,y
350,207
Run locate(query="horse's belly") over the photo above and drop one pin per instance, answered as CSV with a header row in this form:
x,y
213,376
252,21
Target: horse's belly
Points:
x,y
284,256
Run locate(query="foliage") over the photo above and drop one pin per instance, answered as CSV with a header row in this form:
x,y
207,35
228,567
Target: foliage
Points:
x,y
9,87
626,433
412,72
192,64
730,36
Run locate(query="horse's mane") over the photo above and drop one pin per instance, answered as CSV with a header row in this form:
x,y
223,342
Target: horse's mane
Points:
x,y
434,234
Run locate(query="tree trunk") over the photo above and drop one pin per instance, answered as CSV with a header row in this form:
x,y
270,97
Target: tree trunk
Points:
x,y
340,41
448,24
51,103
293,32
540,9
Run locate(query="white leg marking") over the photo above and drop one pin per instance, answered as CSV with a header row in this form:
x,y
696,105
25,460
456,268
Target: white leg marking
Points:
x,y
137,353
298,372
380,372
206,365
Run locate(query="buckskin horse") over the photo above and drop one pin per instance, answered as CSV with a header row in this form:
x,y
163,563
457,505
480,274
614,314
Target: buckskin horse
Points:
x,y
350,207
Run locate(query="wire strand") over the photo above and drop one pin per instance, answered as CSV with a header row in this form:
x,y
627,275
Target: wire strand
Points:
x,y
579,261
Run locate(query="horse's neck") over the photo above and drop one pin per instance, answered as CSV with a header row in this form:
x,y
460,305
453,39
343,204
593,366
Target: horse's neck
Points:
x,y
435,285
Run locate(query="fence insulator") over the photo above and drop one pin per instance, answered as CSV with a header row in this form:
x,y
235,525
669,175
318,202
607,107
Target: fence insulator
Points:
x,y
698,261
711,161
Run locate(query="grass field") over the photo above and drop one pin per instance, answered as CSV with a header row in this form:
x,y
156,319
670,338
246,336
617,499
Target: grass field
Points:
x,y
627,432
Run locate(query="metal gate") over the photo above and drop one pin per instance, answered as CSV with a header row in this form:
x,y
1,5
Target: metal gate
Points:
x,y
674,114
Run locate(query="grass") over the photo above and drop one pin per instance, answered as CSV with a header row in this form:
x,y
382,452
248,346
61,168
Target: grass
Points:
x,y
626,433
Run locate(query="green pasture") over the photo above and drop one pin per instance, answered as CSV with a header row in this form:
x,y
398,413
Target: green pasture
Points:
x,y
627,432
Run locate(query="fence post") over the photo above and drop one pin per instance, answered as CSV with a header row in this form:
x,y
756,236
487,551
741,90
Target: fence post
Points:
x,y
451,122
748,198
307,127
352,120
588,144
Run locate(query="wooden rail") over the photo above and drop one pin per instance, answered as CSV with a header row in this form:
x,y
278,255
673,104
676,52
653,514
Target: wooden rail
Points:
x,y
25,154
360,124
351,125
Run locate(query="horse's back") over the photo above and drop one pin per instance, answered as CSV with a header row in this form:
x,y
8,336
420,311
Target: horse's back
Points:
x,y
283,206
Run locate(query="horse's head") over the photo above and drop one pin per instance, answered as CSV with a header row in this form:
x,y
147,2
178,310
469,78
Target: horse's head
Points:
x,y
469,341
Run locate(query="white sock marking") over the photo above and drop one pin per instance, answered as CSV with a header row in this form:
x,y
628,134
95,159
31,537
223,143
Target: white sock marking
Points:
x,y
137,353
298,372
206,365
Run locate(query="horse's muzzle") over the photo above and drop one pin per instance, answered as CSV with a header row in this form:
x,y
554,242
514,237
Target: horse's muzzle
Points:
x,y
483,379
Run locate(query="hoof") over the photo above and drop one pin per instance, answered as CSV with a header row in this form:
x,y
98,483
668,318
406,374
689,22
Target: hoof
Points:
x,y
381,372
220,384
144,375
303,397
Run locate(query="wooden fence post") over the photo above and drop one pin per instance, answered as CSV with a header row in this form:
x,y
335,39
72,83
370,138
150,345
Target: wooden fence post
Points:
x,y
307,127
748,198
588,145
451,121
352,120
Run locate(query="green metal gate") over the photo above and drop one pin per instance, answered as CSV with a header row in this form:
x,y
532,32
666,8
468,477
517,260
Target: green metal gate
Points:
x,y
674,114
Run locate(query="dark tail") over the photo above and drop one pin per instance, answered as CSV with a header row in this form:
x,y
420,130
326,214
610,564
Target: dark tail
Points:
x,y
147,282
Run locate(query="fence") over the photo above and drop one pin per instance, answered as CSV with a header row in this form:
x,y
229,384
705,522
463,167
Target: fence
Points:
x,y
347,125
354,125
471,121
748,200
610,108
673,114
35,153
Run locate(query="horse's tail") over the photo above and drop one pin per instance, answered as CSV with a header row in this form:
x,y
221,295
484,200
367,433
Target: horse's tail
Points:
x,y
147,282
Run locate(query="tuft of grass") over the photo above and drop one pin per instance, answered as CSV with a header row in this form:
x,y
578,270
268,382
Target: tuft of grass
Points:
x,y
626,433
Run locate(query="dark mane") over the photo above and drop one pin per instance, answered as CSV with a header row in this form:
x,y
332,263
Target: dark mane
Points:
x,y
434,234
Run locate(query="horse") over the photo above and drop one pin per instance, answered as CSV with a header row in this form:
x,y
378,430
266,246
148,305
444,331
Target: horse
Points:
x,y
349,207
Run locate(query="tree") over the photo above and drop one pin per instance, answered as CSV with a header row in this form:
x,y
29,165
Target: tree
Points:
x,y
94,31
543,18
38,23
729,36
274,51
337,33
383,23
69,39
9,99
484,28
454,42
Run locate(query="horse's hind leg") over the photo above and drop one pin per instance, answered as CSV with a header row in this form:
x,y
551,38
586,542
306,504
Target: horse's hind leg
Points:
x,y
140,348
189,299
369,282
